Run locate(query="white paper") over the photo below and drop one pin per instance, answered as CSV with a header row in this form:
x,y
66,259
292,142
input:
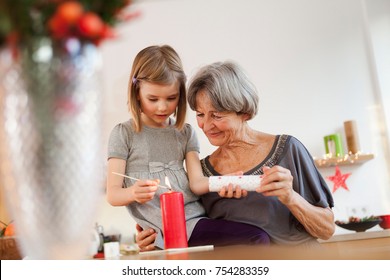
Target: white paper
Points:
x,y
246,182
111,250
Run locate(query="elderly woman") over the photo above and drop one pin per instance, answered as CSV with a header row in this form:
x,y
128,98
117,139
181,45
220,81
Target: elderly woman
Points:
x,y
293,203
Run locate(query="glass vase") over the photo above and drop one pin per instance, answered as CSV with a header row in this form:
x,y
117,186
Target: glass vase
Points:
x,y
51,163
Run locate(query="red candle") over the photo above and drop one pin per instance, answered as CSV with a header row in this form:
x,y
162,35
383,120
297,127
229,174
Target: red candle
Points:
x,y
174,221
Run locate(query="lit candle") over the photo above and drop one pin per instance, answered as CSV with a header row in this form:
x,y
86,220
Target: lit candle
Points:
x,y
174,221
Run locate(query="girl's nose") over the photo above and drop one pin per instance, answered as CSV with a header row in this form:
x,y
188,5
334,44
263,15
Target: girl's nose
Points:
x,y
162,106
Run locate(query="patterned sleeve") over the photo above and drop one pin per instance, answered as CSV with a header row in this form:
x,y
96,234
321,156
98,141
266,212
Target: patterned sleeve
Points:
x,y
119,142
308,181
192,139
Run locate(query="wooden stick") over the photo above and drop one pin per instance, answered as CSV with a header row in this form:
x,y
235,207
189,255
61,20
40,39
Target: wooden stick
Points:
x,y
179,250
136,179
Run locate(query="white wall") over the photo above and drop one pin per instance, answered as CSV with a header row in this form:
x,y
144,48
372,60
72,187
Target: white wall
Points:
x,y
316,64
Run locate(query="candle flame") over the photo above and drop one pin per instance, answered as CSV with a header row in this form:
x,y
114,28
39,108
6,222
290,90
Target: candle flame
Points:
x,y
168,183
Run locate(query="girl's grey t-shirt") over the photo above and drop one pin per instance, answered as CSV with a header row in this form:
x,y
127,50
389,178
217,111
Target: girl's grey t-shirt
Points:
x,y
269,213
155,153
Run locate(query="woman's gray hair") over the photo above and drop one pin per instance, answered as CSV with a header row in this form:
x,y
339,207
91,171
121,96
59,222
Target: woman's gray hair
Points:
x,y
228,88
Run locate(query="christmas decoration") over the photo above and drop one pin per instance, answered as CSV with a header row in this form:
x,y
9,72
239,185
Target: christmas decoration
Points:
x,y
339,180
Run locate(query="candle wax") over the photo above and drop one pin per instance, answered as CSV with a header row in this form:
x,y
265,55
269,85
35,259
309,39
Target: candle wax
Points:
x,y
173,218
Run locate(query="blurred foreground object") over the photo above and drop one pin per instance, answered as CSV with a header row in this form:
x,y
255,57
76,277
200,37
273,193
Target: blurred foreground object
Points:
x,y
50,120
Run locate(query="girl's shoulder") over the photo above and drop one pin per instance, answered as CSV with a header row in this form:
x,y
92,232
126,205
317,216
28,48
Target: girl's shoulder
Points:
x,y
187,126
123,129
126,125
188,130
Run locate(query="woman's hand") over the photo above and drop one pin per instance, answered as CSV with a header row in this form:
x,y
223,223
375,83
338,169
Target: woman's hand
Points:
x,y
231,191
144,190
145,238
318,221
277,181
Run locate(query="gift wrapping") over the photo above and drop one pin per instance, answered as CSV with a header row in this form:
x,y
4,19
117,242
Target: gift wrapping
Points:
x,y
246,182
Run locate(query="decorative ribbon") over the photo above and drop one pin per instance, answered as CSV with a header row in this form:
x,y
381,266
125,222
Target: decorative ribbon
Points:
x,y
160,166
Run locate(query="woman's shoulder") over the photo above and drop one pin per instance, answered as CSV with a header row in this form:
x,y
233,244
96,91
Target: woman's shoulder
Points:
x,y
285,148
292,141
294,147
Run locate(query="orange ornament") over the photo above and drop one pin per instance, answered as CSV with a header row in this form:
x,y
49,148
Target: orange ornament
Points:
x,y
9,230
70,11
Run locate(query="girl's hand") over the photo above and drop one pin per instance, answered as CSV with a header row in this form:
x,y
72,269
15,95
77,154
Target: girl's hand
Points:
x,y
143,190
277,181
145,238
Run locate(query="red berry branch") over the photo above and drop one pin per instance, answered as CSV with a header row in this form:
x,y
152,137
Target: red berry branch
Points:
x,y
86,20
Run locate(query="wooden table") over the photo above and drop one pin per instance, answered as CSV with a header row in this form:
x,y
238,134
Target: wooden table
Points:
x,y
362,245
355,246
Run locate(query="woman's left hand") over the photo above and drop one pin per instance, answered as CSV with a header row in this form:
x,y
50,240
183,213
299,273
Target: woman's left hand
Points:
x,y
145,238
277,181
231,191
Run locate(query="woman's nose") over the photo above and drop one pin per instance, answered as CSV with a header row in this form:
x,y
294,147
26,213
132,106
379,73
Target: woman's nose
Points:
x,y
208,123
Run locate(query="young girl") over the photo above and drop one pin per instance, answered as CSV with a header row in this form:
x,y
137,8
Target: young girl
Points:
x,y
153,145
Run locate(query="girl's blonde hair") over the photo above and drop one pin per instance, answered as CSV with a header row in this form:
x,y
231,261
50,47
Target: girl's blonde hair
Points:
x,y
161,65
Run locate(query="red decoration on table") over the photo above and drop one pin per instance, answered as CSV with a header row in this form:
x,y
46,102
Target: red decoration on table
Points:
x,y
339,180
173,218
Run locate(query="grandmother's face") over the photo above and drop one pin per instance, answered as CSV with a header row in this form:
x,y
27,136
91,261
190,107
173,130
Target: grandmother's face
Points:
x,y
220,128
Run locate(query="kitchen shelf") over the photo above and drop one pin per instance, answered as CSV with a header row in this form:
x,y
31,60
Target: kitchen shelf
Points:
x,y
350,159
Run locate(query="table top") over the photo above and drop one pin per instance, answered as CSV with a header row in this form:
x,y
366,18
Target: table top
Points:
x,y
378,248
358,235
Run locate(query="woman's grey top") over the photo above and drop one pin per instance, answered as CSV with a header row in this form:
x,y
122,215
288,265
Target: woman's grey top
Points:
x,y
269,213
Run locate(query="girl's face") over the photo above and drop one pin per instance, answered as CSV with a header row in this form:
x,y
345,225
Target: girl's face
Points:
x,y
158,102
220,128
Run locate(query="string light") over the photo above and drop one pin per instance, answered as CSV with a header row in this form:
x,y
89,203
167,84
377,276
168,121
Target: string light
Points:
x,y
330,160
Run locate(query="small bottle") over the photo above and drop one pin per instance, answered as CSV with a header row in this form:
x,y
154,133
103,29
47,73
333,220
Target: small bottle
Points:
x,y
100,230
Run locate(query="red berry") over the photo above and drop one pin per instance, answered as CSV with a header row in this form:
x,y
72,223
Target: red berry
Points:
x,y
58,27
90,25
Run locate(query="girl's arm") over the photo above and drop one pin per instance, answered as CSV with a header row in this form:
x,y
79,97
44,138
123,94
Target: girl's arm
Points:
x,y
142,191
199,184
